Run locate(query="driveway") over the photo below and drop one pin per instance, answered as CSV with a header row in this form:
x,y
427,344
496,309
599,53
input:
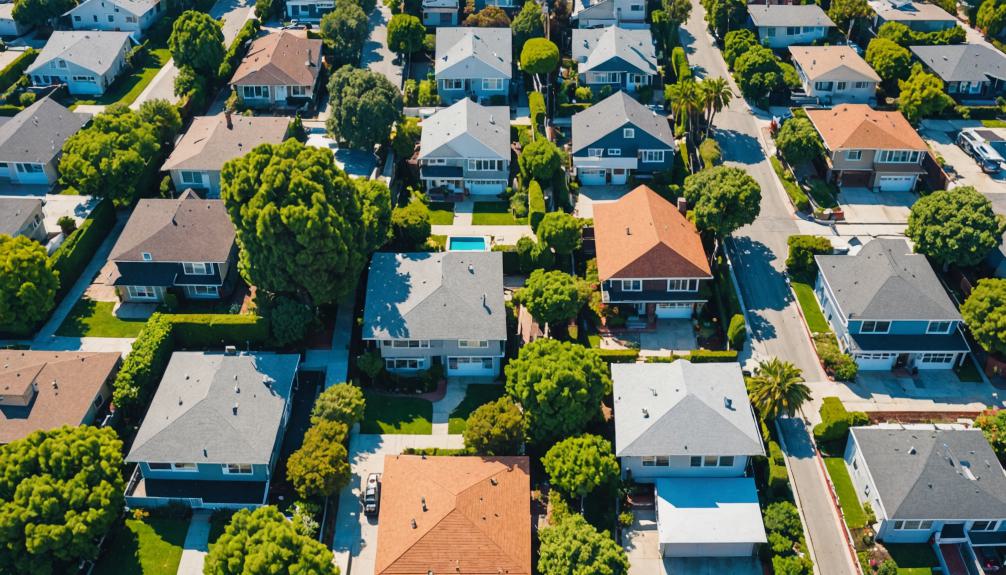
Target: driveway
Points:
x,y
671,335
376,55
642,544
929,391
588,195
864,206
940,137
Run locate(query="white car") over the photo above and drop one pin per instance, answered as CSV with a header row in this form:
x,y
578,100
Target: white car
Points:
x,y
372,494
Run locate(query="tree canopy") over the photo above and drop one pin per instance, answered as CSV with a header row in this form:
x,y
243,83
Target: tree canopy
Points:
x,y
263,542
410,224
993,426
365,105
722,16
798,141
528,23
955,227
846,12
40,12
553,296
539,57
197,42
343,402
320,468
984,312
922,95
736,43
722,199
344,30
405,34
407,134
488,17
163,116
540,160
991,17
575,547
560,231
891,61
904,36
758,73
496,428
777,389
28,283
578,465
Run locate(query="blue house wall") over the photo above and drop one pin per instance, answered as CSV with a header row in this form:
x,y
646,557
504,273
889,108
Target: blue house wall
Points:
x,y
630,148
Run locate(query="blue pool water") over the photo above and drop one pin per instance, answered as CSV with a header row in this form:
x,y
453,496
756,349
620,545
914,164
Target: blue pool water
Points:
x,y
463,244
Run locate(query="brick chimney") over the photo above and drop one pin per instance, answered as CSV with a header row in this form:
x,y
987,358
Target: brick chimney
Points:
x,y
683,205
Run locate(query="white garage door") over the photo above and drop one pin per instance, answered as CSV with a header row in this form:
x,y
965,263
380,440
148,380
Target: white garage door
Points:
x,y
897,183
619,176
591,177
875,361
708,550
935,360
470,366
485,187
674,310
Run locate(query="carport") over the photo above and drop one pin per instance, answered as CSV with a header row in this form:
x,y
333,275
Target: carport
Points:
x,y
708,517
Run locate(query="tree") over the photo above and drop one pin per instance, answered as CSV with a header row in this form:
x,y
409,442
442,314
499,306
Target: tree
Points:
x,y
724,15
677,11
40,12
539,57
798,141
489,17
736,43
67,225
687,105
561,232
559,385
197,42
262,542
364,106
28,283
410,224
891,61
553,296
407,134
984,312
320,468
993,426
710,153
528,23
344,31
263,9
304,228
496,428
575,547
343,402
777,389
956,227
107,158
791,565
922,95
758,74
723,199
405,34
845,13
289,319
540,160
163,116
60,493
991,17
715,94
578,465
800,263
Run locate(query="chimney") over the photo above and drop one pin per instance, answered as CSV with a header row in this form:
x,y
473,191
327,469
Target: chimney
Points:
x,y
628,231
728,403
230,350
646,414
424,504
683,205
414,524
310,59
227,116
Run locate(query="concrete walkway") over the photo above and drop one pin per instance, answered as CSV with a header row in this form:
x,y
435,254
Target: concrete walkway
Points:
x,y
196,543
335,360
463,212
442,409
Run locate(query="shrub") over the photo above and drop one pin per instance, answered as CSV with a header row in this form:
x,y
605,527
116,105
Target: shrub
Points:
x,y
67,225
780,544
289,319
428,95
710,153
511,262
536,104
536,204
238,48
836,421
737,332
15,70
583,94
76,251
209,331
800,200
800,262
712,356
142,369
625,519
618,355
841,365
783,518
532,256
680,64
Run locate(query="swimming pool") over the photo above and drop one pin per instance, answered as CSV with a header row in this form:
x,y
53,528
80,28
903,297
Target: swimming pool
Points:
x,y
467,244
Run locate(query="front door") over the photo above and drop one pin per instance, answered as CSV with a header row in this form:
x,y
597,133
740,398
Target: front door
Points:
x,y
902,360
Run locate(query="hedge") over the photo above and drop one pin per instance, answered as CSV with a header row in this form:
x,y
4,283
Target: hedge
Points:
x,y
142,369
536,104
712,356
77,250
9,110
836,420
536,204
236,50
436,451
570,108
618,355
737,332
800,262
210,330
796,195
680,64
13,72
511,261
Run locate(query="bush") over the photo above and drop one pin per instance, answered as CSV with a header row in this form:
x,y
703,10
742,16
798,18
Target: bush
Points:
x,y
536,204
532,256
778,479
625,519
710,153
737,332
583,94
800,200
536,104
618,355
214,331
15,70
76,251
511,261
238,48
783,518
800,262
680,64
289,319
428,95
780,544
712,356
836,421
142,369
841,365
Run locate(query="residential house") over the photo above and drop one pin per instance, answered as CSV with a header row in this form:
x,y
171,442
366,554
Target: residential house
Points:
x,y
31,142
308,10
437,308
649,256
868,148
939,486
888,308
184,245
454,515
212,141
133,16
465,148
281,69
22,216
780,26
474,63
87,62
603,13
440,12
618,136
834,74
774,2
919,16
213,432
8,25
970,71
690,431
41,390
619,58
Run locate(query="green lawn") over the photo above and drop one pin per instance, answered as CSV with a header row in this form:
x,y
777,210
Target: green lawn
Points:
x,y
441,213
393,414
810,307
855,517
495,214
90,318
915,559
127,88
823,193
476,395
994,123
149,547
968,373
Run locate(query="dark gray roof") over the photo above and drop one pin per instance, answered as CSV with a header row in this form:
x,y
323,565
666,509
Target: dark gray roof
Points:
x,y
187,229
15,211
953,341
614,112
886,281
434,296
682,408
192,417
789,15
37,133
963,62
933,474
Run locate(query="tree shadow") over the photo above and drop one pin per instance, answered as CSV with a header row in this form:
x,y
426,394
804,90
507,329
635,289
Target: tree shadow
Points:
x,y
739,147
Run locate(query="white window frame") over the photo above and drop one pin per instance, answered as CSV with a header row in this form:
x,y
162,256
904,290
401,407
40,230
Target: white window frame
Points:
x,y
932,324
484,165
615,152
453,84
854,155
184,467
147,257
237,468
899,157
824,86
205,290
628,285
861,85
595,152
191,177
297,91
628,133
255,92
28,168
875,327
841,86
141,292
163,466
486,362
82,78
197,268
410,363
473,344
937,357
651,156
683,284
985,526
492,84
408,343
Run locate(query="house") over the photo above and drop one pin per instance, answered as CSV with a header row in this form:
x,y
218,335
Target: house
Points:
x,y
970,71
212,141
603,13
308,10
31,142
8,25
465,148
780,26
133,16
212,434
868,148
440,12
474,63
87,62
940,486
41,390
281,70
834,74
437,308
22,216
454,515
618,136
649,256
690,431
184,245
620,58
888,308
919,16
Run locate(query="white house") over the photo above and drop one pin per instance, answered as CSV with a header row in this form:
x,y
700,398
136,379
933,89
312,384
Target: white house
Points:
x,y
308,10
87,62
8,25
782,26
133,16
603,13
834,74
466,149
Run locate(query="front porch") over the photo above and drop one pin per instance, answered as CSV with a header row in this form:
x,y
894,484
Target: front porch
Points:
x,y
962,552
145,493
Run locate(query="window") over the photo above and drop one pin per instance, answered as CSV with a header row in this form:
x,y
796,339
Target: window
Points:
x,y
141,292
28,168
726,461
159,466
297,90
87,79
602,77
875,327
628,133
410,343
874,355
197,268
912,525
435,162
824,86
899,524
899,157
98,401
595,152
855,464
194,178
111,18
76,18
481,362
632,285
841,86
404,363
683,285
255,91
473,343
938,357
710,461
663,461
494,84
146,256
614,151
202,290
983,526
861,85
189,467
651,156
453,84
853,155
792,30
237,469
485,165
696,461
939,327
131,19
927,525
649,461
636,8
770,32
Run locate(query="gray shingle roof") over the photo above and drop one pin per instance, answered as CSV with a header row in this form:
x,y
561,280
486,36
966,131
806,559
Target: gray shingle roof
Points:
x,y
681,408
134,7
440,295
900,11
187,229
886,281
595,46
963,62
463,128
789,15
464,52
192,416
611,114
37,133
15,211
926,474
93,50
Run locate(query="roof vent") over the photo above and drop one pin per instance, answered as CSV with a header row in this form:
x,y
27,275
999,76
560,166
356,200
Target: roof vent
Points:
x,y
54,384
235,408
492,119
493,481
628,231
728,403
653,390
424,504
646,413
179,400
414,524
237,388
471,268
912,450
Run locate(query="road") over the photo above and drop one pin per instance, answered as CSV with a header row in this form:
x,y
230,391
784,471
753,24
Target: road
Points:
x,y
759,254
376,55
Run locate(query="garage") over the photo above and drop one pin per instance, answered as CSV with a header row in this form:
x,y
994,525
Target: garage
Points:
x,y
591,176
485,187
875,361
470,366
619,175
935,360
896,183
727,524
674,310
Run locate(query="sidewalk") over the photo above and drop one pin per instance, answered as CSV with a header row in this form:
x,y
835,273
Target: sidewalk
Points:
x,y
196,543
442,409
335,360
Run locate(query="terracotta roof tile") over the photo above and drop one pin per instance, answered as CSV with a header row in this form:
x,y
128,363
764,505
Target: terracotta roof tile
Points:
x,y
858,126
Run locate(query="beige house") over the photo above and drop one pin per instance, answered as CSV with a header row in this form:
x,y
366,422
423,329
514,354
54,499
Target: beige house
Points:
x,y
834,74
867,148
281,69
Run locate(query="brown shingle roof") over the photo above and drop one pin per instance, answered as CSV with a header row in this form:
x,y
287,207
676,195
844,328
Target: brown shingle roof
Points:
x,y
477,517
858,126
67,384
211,141
644,236
816,61
280,59
188,229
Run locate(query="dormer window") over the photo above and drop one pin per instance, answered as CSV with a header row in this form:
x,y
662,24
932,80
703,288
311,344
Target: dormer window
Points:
x,y
628,133
197,268
147,257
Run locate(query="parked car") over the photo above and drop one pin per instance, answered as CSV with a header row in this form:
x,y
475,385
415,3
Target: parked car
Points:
x,y
972,142
372,495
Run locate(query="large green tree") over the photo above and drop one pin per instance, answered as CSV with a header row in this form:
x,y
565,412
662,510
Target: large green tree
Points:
x,y
736,43
540,160
197,42
40,12
559,385
723,199
410,224
576,466
722,16
496,428
758,74
304,227
892,62
405,34
846,13
320,468
529,23
991,17
984,312
777,389
539,57
163,116
554,296
263,542
28,283
364,105
561,232
61,490
343,402
488,17
798,141
922,95
344,30
955,227
575,547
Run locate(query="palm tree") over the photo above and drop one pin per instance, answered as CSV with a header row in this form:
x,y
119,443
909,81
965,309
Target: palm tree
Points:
x,y
686,102
778,389
716,95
